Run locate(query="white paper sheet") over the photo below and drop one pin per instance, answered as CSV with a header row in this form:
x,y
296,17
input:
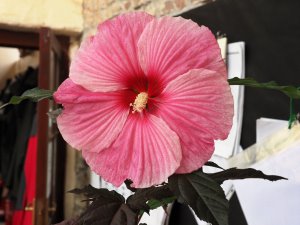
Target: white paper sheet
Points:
x,y
273,203
276,152
265,127
236,68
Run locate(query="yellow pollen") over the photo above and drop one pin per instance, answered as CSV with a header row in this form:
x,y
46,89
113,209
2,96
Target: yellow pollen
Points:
x,y
140,102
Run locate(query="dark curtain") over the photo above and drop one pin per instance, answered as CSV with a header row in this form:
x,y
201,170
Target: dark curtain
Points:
x,y
271,31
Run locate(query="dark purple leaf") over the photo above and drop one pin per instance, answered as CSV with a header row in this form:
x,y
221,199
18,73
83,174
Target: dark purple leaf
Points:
x,y
138,201
107,208
237,174
203,194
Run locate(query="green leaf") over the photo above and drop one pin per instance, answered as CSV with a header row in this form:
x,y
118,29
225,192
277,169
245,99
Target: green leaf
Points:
x,y
203,194
154,203
34,95
139,200
291,91
237,174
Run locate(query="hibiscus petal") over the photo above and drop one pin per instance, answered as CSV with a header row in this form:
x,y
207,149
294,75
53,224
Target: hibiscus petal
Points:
x,y
90,120
169,47
147,151
198,106
108,61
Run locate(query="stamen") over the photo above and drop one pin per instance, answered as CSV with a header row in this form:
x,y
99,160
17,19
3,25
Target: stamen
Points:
x,y
140,102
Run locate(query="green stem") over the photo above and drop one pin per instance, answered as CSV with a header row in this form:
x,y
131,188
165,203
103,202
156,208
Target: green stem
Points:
x,y
293,116
290,91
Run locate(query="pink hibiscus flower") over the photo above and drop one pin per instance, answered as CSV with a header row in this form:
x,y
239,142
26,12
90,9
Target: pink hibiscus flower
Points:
x,y
146,98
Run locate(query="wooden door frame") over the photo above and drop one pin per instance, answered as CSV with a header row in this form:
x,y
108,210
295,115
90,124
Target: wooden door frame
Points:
x,y
44,41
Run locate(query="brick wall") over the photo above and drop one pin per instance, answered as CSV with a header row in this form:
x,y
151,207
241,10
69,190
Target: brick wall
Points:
x,y
96,11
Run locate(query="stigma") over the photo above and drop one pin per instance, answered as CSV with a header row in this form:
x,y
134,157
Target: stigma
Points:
x,y
140,102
